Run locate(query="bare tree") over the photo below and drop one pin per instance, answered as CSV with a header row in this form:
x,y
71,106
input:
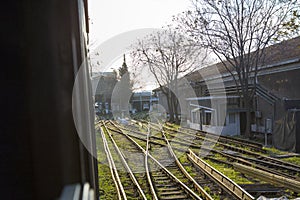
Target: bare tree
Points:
x,y
168,55
238,31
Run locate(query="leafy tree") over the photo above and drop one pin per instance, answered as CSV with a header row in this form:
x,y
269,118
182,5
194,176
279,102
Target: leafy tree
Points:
x,y
122,91
124,69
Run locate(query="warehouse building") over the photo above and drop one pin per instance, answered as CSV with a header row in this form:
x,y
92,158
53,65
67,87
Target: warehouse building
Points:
x,y
274,114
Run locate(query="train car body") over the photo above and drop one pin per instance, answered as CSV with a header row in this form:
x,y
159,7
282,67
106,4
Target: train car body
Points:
x,y
46,44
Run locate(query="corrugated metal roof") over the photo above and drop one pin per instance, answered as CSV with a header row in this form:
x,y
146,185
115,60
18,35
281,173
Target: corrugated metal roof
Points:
x,y
275,54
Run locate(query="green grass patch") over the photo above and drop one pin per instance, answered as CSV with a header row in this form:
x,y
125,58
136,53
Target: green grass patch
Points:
x,y
107,187
182,158
216,197
274,151
229,172
294,160
141,116
174,126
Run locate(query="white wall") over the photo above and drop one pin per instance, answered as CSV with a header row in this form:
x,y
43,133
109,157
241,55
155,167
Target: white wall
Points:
x,y
229,129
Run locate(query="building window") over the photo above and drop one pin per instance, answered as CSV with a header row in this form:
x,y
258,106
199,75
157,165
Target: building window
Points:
x,y
195,117
207,118
231,118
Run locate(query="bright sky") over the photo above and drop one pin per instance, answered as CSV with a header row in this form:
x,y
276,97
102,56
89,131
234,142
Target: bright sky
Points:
x,y
114,17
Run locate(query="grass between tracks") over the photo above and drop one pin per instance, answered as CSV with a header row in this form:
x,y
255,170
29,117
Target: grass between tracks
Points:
x,y
106,185
142,143
223,168
239,178
106,175
135,163
273,152
270,151
229,172
295,160
191,170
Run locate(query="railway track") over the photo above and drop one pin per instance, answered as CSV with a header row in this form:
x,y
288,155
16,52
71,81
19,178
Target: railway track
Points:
x,y
242,155
168,178
167,157
258,147
247,158
166,184
223,139
127,184
260,156
220,187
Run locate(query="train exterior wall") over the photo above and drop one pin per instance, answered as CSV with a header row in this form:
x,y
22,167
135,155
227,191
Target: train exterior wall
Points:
x,y
43,152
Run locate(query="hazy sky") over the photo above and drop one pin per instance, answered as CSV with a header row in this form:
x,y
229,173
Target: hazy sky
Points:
x,y
112,17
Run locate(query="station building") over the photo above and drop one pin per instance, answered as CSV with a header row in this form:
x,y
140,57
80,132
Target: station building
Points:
x,y
103,86
142,101
276,104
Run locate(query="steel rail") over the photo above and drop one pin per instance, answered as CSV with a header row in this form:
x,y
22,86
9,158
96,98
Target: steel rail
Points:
x,y
145,139
293,185
252,144
113,168
230,185
146,154
261,166
218,139
260,163
185,187
251,164
196,185
135,182
271,161
147,168
237,159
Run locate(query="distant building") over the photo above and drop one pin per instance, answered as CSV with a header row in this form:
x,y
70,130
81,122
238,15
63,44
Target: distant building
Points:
x,y
142,101
104,84
205,117
277,85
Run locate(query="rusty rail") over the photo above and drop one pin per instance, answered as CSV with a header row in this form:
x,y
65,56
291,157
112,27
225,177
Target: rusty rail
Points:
x,y
269,177
223,180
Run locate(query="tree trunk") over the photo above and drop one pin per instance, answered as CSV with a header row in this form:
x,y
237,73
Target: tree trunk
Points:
x,y
170,106
175,103
247,105
175,100
248,124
